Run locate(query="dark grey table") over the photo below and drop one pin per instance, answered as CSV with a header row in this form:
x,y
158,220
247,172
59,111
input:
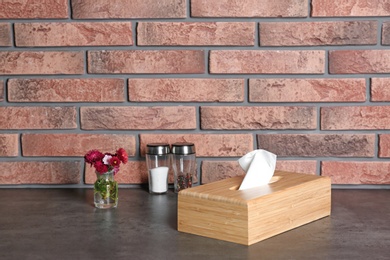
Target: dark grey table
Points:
x,y
63,224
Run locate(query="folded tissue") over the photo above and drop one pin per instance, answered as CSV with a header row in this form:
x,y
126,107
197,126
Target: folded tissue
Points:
x,y
259,166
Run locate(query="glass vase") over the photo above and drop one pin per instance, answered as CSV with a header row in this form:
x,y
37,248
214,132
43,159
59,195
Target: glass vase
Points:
x,y
105,190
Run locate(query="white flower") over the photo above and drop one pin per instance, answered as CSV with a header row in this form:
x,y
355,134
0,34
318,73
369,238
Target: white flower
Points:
x,y
106,159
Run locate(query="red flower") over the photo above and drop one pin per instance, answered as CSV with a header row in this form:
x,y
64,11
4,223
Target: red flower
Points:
x,y
101,167
114,161
122,155
107,161
93,156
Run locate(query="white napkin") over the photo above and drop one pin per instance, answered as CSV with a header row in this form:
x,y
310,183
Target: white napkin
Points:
x,y
259,166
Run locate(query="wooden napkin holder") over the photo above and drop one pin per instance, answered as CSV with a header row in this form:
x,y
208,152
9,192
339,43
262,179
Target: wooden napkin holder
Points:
x,y
219,210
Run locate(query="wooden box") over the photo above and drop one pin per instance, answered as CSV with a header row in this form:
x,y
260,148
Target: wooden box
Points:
x,y
219,210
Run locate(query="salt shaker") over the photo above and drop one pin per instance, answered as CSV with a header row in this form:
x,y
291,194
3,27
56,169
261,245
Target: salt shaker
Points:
x,y
157,160
183,164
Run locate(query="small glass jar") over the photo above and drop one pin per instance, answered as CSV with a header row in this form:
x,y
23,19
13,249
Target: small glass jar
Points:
x,y
183,164
105,191
157,161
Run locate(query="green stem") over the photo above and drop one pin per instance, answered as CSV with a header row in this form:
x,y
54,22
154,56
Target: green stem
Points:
x,y
107,188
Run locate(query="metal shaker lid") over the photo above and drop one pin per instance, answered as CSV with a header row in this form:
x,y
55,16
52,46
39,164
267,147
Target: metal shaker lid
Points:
x,y
157,148
183,148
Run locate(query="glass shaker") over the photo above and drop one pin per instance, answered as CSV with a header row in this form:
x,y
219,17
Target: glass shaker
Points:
x,y
157,161
183,164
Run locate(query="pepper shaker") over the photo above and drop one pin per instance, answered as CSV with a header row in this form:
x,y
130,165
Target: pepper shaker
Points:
x,y
183,164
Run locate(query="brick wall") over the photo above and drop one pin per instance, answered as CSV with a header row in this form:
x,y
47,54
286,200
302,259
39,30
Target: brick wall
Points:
x,y
307,80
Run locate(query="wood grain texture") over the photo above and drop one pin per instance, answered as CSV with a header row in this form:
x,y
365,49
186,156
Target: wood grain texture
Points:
x,y
218,210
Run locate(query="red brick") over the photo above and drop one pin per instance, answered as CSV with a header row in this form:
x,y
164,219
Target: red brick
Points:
x,y
5,34
379,89
355,118
206,145
123,118
9,145
197,33
218,170
331,8
75,144
357,172
95,9
267,62
44,9
67,172
318,145
133,172
186,90
307,167
38,118
66,90
249,8
258,117
41,62
384,145
73,34
386,33
145,61
318,33
1,90
359,61
307,90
